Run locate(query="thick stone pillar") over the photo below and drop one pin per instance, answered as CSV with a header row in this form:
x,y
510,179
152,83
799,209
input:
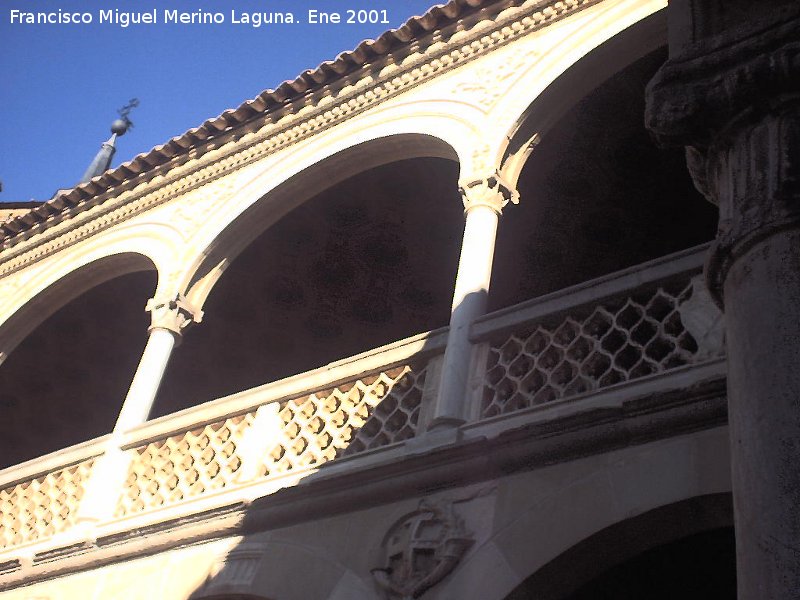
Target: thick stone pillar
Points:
x,y
730,93
484,200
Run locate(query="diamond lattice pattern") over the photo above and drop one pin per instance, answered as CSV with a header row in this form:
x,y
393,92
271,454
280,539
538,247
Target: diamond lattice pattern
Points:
x,y
596,347
41,507
366,413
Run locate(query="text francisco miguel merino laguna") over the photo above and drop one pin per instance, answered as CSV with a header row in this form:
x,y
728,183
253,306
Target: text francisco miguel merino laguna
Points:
x,y
195,17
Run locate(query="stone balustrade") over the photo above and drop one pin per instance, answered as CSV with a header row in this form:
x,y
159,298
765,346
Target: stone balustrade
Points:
x,y
648,322
644,321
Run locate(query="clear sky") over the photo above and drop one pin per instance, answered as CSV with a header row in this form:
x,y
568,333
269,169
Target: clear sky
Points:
x,y
60,84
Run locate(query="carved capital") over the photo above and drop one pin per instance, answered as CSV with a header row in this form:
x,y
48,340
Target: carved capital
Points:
x,y
174,314
730,77
733,99
754,178
490,191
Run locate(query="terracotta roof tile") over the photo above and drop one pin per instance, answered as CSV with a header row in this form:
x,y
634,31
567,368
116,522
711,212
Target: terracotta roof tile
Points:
x,y
326,73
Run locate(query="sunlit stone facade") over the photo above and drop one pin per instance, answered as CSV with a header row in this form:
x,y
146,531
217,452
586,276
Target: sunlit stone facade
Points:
x,y
429,321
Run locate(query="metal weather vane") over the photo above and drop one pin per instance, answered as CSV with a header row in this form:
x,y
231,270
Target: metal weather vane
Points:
x,y
126,110
121,125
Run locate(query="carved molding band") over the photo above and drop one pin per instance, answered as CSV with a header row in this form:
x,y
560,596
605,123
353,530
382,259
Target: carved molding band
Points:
x,y
281,130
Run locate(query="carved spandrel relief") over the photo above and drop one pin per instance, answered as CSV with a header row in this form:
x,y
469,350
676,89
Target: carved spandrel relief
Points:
x,y
421,549
485,86
195,209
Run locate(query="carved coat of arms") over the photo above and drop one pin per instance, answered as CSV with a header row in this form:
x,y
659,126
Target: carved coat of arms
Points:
x,y
420,550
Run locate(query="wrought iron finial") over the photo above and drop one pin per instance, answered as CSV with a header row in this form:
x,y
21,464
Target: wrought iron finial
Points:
x,y
121,125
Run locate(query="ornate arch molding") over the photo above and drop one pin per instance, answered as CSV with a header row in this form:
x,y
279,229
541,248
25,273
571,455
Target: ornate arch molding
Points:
x,y
205,270
598,64
63,289
443,51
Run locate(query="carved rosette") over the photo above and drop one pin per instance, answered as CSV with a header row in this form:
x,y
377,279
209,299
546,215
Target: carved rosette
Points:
x,y
735,104
420,550
173,314
492,192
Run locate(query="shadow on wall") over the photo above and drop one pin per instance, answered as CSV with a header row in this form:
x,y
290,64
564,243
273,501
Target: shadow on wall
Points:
x,y
680,550
328,428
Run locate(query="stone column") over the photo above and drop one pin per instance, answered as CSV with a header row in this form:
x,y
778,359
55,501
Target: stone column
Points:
x,y
169,318
484,200
730,93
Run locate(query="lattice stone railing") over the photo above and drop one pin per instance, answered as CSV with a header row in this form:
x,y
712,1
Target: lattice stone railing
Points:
x,y
276,438
587,344
643,322
43,506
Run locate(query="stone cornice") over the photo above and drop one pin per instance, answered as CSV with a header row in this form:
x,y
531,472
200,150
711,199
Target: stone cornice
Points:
x,y
443,50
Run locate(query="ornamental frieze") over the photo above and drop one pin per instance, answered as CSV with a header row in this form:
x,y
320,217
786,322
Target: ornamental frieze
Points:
x,y
284,128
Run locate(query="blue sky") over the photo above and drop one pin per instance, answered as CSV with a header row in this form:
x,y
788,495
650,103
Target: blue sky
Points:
x,y
60,84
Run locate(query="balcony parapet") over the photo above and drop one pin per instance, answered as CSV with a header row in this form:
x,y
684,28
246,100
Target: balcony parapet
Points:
x,y
637,323
230,449
643,341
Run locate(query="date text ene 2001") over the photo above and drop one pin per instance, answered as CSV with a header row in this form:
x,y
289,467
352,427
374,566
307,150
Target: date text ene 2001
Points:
x,y
350,16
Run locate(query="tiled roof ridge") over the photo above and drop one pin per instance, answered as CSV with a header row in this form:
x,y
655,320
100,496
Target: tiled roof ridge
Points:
x,y
328,72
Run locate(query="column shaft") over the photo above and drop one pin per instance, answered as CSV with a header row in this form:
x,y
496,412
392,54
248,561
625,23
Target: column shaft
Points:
x,y
762,311
469,303
484,200
729,94
110,470
147,379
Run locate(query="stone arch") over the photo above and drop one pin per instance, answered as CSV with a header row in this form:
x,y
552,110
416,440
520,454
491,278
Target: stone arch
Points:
x,y
595,198
61,283
571,70
357,251
561,506
90,316
237,233
622,542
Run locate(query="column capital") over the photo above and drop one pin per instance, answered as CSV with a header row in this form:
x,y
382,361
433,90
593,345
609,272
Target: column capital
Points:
x,y
752,177
725,80
492,191
733,99
172,313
